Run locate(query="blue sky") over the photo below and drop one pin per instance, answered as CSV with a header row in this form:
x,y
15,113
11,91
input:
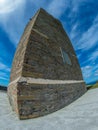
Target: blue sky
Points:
x,y
79,19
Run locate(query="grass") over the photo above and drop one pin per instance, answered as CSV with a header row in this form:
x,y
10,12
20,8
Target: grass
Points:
x,y
93,86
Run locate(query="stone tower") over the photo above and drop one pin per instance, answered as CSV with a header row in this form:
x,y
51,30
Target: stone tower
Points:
x,y
45,74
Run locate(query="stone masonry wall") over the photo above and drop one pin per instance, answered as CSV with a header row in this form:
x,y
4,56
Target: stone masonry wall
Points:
x,y
43,59
36,100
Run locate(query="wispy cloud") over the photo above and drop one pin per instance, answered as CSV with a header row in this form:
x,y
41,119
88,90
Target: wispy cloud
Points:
x,y
90,72
4,78
12,18
9,6
4,74
87,71
4,67
93,56
73,32
89,38
57,8
83,18
96,73
76,3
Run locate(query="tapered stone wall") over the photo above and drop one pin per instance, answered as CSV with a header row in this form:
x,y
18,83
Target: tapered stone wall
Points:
x,y
45,74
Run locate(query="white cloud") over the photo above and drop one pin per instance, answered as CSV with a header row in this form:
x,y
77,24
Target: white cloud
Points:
x,y
87,71
89,38
4,70
12,18
3,78
93,56
92,60
76,3
57,8
95,68
7,6
73,32
96,73
4,67
4,75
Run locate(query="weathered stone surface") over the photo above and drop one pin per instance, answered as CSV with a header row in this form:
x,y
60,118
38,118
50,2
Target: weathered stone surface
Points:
x,y
40,99
45,75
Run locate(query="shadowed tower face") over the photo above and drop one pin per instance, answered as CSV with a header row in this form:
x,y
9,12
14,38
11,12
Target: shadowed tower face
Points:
x,y
45,74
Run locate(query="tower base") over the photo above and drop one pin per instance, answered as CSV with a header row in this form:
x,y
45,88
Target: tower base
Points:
x,y
32,98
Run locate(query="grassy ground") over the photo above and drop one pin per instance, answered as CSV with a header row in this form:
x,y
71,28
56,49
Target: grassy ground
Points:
x,y
93,86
